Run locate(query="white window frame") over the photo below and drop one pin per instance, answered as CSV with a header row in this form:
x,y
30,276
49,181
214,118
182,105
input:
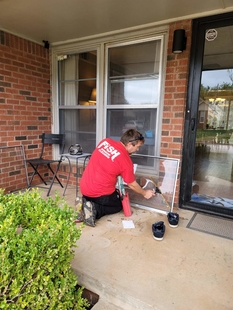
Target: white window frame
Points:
x,y
99,43
157,106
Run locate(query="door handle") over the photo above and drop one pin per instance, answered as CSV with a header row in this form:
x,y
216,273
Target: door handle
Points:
x,y
193,123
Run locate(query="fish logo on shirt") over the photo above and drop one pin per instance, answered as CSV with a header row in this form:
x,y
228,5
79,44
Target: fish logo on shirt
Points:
x,y
108,150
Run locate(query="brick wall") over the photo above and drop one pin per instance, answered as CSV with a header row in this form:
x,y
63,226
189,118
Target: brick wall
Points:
x,y
176,83
24,103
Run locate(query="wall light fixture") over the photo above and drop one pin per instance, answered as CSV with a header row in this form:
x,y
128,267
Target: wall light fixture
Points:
x,y
179,41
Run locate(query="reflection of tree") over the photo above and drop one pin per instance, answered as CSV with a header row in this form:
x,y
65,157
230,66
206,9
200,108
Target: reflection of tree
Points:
x,y
207,90
215,105
230,72
204,91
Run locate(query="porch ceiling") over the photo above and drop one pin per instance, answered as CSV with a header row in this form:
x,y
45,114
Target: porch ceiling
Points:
x,y
62,20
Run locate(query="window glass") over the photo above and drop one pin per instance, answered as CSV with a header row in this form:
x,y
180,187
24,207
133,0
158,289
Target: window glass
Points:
x,y
77,99
134,59
141,91
78,66
133,91
144,121
80,127
134,73
76,93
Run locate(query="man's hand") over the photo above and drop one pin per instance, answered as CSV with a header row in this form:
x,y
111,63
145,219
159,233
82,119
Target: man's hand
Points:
x,y
149,193
146,193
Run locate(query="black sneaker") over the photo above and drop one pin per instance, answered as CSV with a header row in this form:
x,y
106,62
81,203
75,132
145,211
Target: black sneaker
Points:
x,y
173,219
89,212
158,230
80,217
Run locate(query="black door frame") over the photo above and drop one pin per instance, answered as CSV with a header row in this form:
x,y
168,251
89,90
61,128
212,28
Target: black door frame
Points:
x,y
199,28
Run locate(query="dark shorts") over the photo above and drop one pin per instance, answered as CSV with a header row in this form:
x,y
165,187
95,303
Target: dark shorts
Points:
x,y
107,204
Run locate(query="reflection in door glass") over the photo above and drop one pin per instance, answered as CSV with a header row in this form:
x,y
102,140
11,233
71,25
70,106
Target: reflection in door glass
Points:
x,y
213,170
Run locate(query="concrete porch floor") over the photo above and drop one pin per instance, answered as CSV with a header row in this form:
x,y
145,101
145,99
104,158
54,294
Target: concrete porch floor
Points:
x,y
129,269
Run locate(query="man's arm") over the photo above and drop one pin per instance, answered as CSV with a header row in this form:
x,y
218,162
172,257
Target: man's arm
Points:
x,y
139,190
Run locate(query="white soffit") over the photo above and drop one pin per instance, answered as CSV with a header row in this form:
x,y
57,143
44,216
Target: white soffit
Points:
x,y
64,20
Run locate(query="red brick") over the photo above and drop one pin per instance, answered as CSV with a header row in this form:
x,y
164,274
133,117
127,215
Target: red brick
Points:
x,y
26,65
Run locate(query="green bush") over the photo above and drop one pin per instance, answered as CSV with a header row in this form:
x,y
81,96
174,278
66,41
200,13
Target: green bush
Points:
x,y
210,135
37,238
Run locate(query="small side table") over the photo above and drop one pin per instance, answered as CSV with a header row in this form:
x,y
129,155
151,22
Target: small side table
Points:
x,y
76,157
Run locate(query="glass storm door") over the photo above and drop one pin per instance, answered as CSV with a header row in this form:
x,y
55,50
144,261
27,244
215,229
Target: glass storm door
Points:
x,y
213,168
207,170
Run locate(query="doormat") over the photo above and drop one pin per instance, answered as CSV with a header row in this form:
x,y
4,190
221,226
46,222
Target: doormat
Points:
x,y
212,225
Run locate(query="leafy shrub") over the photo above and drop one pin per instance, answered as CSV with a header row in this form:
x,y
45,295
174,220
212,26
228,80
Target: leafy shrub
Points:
x,y
36,241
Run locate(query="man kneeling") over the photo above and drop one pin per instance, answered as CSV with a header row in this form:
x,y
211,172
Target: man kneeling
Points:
x,y
98,184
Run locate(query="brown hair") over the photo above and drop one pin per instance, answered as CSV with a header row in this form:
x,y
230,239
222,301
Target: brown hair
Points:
x,y
132,135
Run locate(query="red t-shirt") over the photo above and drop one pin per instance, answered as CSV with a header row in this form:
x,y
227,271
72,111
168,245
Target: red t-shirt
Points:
x,y
109,159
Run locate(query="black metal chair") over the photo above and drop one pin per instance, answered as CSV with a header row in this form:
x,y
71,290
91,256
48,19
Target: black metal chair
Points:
x,y
51,139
